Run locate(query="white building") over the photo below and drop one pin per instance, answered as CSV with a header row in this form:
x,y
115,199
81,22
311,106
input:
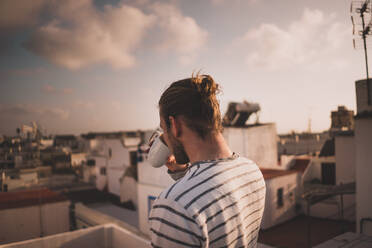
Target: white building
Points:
x,y
102,236
113,154
280,202
256,142
283,192
151,182
363,156
31,214
78,159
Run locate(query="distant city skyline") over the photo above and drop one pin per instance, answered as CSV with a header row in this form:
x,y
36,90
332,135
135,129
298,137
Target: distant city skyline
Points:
x,y
99,66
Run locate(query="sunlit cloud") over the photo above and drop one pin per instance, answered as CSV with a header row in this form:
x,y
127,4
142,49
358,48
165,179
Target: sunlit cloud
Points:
x,y
315,36
20,14
180,34
80,35
220,2
50,89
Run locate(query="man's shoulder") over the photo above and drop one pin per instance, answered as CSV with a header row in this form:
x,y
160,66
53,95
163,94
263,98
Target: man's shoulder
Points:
x,y
170,193
201,172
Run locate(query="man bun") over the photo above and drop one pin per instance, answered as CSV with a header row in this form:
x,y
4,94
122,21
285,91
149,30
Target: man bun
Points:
x,y
205,85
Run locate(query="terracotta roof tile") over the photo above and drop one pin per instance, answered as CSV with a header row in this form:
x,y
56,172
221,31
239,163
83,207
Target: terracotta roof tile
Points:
x,y
271,173
300,164
29,198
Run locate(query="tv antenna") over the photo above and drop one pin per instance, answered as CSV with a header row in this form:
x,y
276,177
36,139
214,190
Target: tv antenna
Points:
x,y
362,27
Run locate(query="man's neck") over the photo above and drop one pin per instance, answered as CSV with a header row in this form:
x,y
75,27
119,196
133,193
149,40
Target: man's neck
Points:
x,y
211,148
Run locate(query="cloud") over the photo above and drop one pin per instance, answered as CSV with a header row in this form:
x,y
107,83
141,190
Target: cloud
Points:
x,y
306,40
50,89
67,91
23,72
47,88
77,34
9,111
84,104
20,14
219,2
115,105
80,35
180,34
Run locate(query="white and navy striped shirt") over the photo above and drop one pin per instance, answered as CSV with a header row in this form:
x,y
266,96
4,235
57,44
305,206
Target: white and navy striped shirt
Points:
x,y
216,204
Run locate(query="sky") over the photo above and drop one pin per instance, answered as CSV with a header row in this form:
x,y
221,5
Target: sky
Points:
x,y
79,66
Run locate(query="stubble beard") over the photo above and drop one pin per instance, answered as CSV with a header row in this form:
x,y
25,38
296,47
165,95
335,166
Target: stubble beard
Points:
x,y
178,151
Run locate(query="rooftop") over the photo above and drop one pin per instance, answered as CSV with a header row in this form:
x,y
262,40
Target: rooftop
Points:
x,y
293,233
29,198
328,148
250,125
348,240
271,173
301,164
364,115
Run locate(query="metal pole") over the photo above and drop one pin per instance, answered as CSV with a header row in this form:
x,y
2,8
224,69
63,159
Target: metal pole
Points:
x,y
365,31
342,213
308,224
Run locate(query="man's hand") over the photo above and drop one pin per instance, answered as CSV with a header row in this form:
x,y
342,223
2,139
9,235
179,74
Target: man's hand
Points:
x,y
173,166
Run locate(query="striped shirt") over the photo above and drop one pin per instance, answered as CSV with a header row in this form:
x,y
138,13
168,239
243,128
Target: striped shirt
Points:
x,y
216,204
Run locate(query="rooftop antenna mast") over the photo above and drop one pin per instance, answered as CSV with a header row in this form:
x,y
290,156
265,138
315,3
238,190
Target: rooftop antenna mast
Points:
x,y
362,9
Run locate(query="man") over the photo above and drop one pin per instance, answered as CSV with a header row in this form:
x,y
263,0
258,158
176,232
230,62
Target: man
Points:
x,y
218,201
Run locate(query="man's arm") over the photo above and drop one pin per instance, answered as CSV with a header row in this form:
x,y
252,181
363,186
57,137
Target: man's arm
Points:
x,y
172,226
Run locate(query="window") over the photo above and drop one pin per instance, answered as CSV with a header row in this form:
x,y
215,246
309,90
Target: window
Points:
x,y
133,158
103,171
91,162
110,152
328,173
280,197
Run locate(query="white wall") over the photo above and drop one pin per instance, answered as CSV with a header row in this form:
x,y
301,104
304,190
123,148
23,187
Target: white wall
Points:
x,y
273,214
128,190
363,159
286,162
331,208
113,179
25,223
86,217
258,143
89,174
153,176
117,163
103,236
315,168
120,154
345,159
30,177
146,195
77,159
151,182
101,180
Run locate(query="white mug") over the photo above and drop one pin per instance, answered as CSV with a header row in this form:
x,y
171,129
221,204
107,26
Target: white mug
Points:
x,y
158,153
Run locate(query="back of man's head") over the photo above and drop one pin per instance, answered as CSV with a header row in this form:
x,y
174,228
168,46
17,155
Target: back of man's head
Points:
x,y
195,100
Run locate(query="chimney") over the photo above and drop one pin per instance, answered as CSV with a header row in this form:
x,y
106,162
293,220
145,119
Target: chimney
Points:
x,y
363,97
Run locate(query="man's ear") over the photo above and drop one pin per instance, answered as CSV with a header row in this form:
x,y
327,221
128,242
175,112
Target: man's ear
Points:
x,y
175,126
